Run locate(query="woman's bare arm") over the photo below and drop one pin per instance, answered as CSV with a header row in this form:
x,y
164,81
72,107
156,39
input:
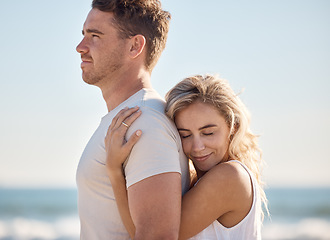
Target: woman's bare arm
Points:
x,y
118,149
119,188
224,193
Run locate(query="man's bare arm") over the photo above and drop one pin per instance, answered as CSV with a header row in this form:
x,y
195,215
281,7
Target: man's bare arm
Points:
x,y
155,206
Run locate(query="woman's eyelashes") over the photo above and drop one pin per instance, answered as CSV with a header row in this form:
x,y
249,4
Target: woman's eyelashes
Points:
x,y
185,136
208,134
203,133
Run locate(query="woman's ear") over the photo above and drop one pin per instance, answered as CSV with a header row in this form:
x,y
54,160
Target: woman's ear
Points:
x,y
138,43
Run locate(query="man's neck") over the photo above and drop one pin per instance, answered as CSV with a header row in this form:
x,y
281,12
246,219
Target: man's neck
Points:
x,y
117,91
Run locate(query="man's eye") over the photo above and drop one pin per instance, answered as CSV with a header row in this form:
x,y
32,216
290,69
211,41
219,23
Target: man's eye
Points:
x,y
95,36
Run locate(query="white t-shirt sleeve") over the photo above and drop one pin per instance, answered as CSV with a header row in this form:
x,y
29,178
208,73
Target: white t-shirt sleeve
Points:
x,y
156,151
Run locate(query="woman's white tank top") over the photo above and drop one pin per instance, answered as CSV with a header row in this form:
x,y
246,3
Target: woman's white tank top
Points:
x,y
247,229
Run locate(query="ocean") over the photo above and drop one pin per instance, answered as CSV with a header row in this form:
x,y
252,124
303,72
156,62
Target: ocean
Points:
x,y
51,214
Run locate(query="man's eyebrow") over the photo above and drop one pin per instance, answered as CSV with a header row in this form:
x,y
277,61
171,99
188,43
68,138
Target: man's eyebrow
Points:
x,y
92,31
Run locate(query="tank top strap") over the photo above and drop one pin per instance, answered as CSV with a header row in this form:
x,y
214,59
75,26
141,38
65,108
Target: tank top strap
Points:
x,y
245,167
252,177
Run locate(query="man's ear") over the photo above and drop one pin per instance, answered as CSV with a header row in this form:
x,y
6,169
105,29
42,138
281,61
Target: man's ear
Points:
x,y
138,43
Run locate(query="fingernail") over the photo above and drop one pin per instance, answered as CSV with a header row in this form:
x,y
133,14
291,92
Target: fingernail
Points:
x,y
138,133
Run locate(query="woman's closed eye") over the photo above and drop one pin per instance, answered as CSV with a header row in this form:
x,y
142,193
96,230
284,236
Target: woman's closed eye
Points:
x,y
208,133
185,136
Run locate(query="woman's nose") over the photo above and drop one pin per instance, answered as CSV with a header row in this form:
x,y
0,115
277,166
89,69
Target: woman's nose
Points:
x,y
198,144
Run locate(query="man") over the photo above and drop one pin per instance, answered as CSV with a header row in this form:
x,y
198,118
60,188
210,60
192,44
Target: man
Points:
x,y
122,41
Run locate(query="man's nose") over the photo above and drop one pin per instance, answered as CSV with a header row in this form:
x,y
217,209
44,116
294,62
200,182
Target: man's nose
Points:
x,y
82,47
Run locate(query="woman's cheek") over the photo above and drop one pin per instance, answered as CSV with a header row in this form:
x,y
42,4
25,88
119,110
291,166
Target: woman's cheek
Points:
x,y
185,146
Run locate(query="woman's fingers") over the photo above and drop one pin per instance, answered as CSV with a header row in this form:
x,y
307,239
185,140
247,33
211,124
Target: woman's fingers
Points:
x,y
115,119
120,124
132,140
127,120
121,117
117,148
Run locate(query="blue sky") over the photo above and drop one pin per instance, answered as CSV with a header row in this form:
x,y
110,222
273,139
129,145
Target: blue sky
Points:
x,y
277,53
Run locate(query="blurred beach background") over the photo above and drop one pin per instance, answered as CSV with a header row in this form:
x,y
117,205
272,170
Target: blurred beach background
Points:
x,y
276,54
31,214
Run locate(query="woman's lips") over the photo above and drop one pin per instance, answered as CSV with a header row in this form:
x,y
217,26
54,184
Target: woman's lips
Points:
x,y
201,158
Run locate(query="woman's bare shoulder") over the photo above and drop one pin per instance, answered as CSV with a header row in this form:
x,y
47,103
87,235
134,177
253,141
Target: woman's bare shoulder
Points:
x,y
229,177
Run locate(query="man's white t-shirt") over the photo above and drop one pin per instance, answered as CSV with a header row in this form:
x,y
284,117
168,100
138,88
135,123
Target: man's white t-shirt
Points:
x,y
158,151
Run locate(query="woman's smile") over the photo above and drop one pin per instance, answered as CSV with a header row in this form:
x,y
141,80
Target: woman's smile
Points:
x,y
204,135
201,158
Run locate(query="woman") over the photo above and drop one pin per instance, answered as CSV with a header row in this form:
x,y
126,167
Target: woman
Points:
x,y
225,202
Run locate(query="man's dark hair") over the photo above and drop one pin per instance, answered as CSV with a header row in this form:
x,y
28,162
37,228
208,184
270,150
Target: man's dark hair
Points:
x,y
144,17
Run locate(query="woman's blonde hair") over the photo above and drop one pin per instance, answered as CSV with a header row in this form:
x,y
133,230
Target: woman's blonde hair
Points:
x,y
212,90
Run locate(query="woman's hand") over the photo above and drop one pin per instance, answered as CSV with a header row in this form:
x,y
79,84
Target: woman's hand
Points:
x,y
117,148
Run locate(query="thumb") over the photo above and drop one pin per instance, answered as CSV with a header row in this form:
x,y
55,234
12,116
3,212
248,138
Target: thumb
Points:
x,y
133,139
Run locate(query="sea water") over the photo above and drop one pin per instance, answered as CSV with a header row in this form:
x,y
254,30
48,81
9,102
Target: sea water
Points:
x,y
31,214
297,213
51,214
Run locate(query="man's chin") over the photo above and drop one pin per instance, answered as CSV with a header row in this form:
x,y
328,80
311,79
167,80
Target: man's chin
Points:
x,y
90,80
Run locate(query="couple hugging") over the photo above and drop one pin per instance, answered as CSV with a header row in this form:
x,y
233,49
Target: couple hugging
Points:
x,y
134,178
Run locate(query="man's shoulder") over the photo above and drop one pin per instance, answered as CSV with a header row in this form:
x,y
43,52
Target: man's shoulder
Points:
x,y
152,106
153,121
151,99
